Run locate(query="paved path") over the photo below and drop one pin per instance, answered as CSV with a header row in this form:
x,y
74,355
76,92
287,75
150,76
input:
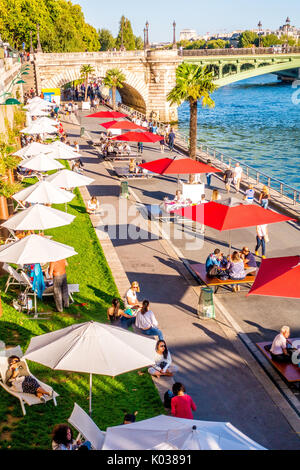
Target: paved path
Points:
x,y
209,355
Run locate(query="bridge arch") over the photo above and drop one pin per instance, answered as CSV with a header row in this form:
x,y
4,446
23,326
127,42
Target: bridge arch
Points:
x,y
134,92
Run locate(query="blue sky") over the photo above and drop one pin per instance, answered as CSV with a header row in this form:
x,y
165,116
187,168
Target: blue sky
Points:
x,y
203,16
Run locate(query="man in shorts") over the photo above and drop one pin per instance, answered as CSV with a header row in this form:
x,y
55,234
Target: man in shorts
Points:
x,y
228,178
237,176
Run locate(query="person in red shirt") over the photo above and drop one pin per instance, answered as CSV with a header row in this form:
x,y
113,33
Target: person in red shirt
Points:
x,y
181,404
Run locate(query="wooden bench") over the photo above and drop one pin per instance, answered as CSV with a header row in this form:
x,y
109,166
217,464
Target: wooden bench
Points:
x,y
290,371
200,270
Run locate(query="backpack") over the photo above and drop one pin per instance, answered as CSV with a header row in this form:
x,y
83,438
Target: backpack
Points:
x,y
167,398
214,271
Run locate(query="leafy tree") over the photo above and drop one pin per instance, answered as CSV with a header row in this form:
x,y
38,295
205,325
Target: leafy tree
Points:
x,y
139,43
106,40
287,39
128,36
216,44
247,39
269,40
85,72
199,44
114,79
193,83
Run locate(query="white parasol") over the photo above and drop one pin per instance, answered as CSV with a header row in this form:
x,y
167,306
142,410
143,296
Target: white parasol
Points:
x,y
43,193
69,179
38,217
41,162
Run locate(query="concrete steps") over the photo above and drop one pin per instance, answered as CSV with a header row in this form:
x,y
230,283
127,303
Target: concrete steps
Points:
x,y
30,80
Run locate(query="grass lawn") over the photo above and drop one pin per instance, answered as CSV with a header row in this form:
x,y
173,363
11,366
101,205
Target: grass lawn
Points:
x,y
111,397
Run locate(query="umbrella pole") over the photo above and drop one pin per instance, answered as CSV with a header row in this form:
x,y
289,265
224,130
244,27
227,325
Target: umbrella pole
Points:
x,y
90,405
229,242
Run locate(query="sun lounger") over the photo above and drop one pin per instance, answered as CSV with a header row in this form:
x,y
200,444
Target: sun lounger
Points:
x,y
86,427
14,278
24,398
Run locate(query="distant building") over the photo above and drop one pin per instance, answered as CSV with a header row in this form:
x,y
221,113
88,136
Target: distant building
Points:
x,y
188,35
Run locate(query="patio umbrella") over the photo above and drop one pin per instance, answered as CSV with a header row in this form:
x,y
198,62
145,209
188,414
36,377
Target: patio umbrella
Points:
x,y
278,277
47,121
178,166
58,145
60,153
108,114
69,179
36,128
44,192
184,434
37,111
35,249
41,162
93,348
121,125
138,137
230,214
38,217
38,100
33,149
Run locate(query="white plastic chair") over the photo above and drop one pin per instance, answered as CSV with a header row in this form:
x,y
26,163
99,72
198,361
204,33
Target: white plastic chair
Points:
x,y
24,398
86,427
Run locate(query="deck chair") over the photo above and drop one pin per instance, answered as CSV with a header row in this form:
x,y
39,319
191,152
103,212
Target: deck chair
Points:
x,y
25,398
71,289
14,278
86,427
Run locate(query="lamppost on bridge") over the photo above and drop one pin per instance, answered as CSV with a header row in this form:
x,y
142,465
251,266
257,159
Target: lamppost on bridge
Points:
x,y
144,38
287,26
39,47
174,35
147,34
259,33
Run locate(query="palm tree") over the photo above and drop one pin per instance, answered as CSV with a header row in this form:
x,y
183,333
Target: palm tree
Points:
x,y
114,79
193,83
85,72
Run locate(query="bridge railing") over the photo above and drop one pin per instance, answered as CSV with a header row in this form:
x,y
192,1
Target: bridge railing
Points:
x,y
240,51
204,151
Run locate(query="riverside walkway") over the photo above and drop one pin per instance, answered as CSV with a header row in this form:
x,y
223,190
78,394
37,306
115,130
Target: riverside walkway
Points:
x,y
219,372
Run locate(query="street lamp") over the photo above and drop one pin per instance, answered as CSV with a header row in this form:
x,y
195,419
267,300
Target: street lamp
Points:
x,y
144,38
259,33
147,34
174,35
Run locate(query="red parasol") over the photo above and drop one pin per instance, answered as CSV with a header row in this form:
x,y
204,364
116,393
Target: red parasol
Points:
x,y
121,125
278,277
138,137
107,114
230,214
180,166
221,216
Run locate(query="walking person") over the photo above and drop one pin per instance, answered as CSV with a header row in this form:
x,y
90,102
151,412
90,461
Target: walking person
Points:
x,y
262,237
57,271
171,140
237,176
208,175
249,194
182,404
140,146
264,197
162,144
228,178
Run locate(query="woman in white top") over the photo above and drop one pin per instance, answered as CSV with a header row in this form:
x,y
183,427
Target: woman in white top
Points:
x,y
261,238
163,361
93,205
131,300
146,321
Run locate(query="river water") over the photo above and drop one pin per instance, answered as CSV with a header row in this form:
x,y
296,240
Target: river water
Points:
x,y
255,121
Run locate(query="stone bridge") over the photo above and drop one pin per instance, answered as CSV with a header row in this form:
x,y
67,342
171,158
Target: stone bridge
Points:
x,y
150,74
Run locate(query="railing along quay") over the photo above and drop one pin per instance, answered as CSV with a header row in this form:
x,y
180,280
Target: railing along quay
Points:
x,y
240,51
205,152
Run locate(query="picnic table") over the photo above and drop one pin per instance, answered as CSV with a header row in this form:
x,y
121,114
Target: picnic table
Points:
x,y
113,156
123,172
290,371
200,270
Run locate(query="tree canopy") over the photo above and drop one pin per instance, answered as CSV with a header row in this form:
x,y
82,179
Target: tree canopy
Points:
x,y
106,40
247,39
62,25
128,36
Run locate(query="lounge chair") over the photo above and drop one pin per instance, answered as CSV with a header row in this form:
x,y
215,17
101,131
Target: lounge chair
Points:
x,y
25,398
86,427
14,278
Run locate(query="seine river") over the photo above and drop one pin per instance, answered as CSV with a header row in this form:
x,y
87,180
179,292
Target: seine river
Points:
x,y
256,122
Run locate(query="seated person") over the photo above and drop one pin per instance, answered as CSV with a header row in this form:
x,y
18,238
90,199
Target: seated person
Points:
x,y
115,313
93,205
110,148
179,199
18,378
119,148
249,260
62,439
214,259
76,168
126,148
131,300
163,361
280,351
235,269
132,165
130,418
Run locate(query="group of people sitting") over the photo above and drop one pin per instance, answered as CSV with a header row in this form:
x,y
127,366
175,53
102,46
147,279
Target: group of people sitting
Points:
x,y
235,266
110,147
